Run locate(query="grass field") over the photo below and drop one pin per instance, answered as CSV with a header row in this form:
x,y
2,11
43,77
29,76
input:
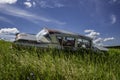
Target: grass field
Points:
x,y
33,64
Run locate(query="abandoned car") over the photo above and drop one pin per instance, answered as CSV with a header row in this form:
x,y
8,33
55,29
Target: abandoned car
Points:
x,y
48,38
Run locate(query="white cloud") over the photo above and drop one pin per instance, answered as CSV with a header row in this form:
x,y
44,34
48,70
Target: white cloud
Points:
x,y
108,39
17,12
97,40
50,4
88,31
59,5
7,1
8,34
113,19
28,0
9,31
33,3
7,37
92,33
28,4
44,4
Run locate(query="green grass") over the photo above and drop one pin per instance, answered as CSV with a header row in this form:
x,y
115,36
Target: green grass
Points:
x,y
34,64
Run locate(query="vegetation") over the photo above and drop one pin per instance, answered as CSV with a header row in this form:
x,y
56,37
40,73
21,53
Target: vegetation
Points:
x,y
34,64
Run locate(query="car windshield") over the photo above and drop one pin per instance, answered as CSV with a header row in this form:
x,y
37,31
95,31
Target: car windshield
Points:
x,y
42,36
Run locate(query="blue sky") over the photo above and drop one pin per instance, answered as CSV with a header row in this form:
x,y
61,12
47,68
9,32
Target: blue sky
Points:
x,y
30,16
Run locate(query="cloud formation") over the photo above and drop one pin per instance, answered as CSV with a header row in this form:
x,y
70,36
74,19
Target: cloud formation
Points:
x,y
9,31
108,39
98,40
17,12
8,1
49,3
92,33
95,36
113,19
88,31
28,4
8,34
6,37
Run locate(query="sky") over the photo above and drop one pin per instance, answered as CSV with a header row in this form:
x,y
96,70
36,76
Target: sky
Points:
x,y
98,19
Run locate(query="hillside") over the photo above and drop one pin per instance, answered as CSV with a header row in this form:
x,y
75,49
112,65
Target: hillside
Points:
x,y
34,64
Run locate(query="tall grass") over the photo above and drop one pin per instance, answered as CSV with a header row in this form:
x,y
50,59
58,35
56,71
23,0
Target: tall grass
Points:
x,y
34,64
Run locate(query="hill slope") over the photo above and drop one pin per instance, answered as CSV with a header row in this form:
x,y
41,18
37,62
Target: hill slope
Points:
x,y
31,64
